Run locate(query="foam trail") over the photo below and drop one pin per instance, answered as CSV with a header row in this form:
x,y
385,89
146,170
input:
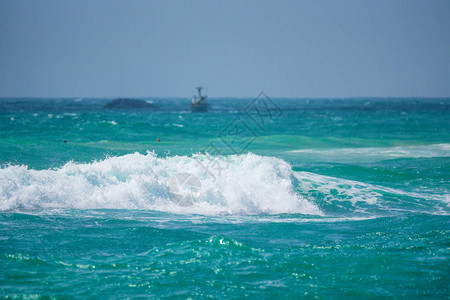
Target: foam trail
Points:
x,y
250,184
366,198
373,153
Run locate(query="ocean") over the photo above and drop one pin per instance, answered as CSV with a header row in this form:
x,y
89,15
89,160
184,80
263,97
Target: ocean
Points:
x,y
263,197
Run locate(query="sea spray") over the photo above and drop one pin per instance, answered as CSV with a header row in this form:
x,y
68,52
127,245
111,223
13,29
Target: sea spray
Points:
x,y
251,184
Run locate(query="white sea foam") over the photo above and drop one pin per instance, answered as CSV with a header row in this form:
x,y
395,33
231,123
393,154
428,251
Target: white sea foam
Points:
x,y
110,122
244,185
250,184
336,191
374,153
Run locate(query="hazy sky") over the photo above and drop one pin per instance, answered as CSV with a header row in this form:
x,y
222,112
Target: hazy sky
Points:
x,y
311,48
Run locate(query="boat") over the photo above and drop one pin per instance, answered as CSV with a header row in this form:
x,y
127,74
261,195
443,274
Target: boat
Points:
x,y
199,103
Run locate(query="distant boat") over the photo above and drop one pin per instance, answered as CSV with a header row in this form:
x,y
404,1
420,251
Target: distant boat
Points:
x,y
128,104
199,103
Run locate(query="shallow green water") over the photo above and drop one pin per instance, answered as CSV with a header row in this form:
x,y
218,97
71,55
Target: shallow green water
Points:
x,y
343,198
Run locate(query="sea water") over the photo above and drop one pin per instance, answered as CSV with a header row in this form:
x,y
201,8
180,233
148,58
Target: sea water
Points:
x,y
315,198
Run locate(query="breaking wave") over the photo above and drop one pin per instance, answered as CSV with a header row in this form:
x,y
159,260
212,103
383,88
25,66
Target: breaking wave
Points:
x,y
201,184
247,184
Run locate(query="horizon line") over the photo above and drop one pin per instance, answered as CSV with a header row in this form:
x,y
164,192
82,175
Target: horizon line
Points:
x,y
227,97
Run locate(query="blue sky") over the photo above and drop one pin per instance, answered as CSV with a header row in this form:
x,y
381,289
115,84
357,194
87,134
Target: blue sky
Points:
x,y
135,48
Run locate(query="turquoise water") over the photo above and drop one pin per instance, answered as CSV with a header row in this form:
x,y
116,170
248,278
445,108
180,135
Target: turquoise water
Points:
x,y
320,198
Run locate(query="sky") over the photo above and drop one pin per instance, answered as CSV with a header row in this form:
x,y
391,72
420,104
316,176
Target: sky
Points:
x,y
301,49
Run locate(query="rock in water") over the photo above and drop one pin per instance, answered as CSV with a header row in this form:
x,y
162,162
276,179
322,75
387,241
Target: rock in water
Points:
x,y
129,104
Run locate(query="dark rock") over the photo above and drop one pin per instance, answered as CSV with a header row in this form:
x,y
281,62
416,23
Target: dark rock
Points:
x,y
129,104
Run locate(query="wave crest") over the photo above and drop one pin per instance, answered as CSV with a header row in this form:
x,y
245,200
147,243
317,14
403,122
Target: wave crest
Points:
x,y
251,184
